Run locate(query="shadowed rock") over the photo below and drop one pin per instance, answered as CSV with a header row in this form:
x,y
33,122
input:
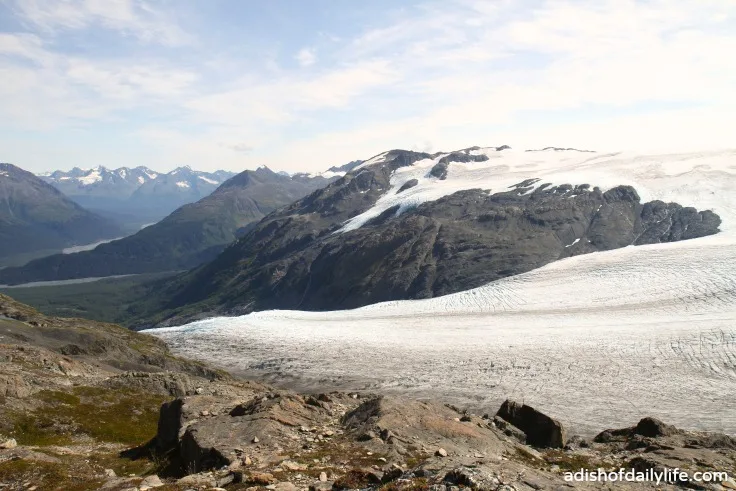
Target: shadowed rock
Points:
x,y
540,429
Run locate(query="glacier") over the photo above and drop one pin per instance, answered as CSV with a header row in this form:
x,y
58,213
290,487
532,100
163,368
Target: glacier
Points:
x,y
597,340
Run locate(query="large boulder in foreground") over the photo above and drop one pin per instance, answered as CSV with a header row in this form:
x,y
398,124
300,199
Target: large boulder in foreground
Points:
x,y
540,429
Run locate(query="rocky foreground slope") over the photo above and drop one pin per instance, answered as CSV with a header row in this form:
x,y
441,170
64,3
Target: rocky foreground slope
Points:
x,y
86,405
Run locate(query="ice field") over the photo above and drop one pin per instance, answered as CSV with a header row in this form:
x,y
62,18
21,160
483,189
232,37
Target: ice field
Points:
x,y
598,340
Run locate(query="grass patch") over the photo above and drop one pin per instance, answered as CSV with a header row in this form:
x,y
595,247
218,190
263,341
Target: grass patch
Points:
x,y
419,484
56,396
108,415
123,466
45,475
333,452
417,459
354,479
28,429
571,462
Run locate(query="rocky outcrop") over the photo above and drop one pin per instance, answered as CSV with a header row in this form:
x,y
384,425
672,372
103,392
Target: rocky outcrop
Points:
x,y
540,430
269,439
171,383
407,185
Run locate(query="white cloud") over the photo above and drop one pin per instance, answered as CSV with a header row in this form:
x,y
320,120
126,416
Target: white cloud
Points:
x,y
442,75
289,97
306,57
134,17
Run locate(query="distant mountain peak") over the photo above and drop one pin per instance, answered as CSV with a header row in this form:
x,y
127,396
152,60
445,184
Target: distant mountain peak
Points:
x,y
181,185
560,149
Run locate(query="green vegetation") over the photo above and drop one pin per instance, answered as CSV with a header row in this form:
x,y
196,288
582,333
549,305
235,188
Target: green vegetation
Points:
x,y
571,462
417,484
112,416
108,300
22,258
46,475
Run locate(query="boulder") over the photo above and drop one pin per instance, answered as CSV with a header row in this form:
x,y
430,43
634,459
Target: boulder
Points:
x,y
367,436
198,480
14,386
150,482
540,429
471,478
8,444
654,428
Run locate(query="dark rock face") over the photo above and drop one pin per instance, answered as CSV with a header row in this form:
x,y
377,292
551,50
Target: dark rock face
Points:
x,y
440,168
653,428
169,423
408,185
439,171
540,429
298,258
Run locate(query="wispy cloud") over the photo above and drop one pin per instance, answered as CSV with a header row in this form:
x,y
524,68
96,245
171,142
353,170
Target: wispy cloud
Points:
x,y
306,57
431,74
130,17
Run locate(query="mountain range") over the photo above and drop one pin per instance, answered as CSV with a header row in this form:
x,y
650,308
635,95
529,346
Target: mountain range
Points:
x,y
193,234
135,196
401,225
411,225
35,217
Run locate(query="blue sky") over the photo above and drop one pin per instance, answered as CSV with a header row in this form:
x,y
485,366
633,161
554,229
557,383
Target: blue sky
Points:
x,y
302,85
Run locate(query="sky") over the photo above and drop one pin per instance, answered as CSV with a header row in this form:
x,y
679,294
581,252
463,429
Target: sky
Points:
x,y
302,85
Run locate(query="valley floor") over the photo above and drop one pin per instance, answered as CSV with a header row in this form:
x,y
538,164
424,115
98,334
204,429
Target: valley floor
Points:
x,y
598,340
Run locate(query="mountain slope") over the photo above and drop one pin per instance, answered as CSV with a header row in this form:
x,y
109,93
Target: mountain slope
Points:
x,y
407,225
193,234
177,188
135,196
35,216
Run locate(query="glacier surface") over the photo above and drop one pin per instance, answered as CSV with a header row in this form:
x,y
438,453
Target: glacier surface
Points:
x,y
598,340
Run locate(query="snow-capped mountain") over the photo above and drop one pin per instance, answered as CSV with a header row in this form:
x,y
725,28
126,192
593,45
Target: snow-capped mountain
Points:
x,y
100,181
135,196
125,181
182,185
410,225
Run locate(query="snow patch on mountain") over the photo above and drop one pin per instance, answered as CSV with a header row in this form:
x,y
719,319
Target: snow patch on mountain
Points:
x,y
92,177
702,180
